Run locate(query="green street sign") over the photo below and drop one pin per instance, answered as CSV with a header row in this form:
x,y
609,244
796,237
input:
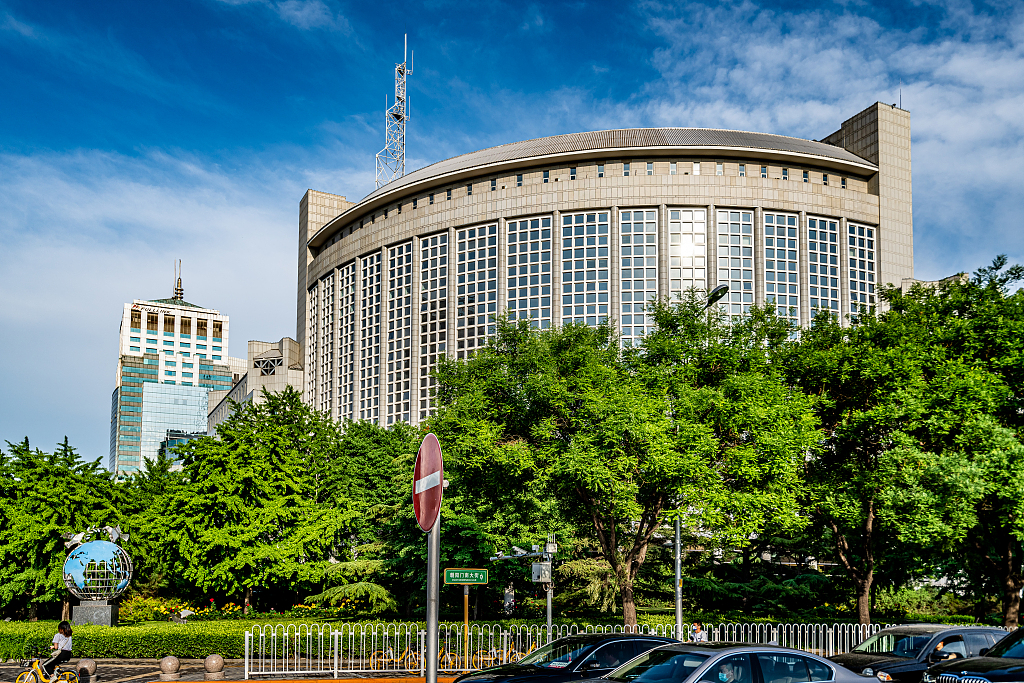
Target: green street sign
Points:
x,y
465,577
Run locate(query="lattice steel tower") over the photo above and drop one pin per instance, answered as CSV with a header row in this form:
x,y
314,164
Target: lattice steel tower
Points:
x,y
391,159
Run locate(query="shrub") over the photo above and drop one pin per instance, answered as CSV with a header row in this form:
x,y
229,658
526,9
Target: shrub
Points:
x,y
137,608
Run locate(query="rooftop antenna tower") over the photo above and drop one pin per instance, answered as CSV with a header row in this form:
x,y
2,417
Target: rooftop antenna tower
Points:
x,y
179,293
391,159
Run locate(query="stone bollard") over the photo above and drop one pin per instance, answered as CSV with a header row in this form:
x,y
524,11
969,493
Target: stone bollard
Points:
x,y
87,670
169,667
214,668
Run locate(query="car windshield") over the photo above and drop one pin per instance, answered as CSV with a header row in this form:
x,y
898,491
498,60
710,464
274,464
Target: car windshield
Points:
x,y
895,644
659,666
559,654
1011,647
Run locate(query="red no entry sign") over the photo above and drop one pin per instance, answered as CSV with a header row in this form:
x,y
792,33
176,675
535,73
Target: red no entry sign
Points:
x,y
427,483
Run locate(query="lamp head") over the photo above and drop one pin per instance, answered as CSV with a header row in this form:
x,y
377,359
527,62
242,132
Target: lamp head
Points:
x,y
716,295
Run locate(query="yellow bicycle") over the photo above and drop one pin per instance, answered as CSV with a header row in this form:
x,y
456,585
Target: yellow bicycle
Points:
x,y
34,673
382,660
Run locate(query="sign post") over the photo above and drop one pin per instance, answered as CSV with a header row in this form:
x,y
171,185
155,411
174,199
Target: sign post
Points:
x,y
465,578
427,489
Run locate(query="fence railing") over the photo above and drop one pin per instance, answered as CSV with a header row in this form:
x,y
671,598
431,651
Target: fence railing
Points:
x,y
326,649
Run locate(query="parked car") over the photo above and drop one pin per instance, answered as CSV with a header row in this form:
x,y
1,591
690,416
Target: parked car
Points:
x,y
728,663
902,653
586,655
1003,662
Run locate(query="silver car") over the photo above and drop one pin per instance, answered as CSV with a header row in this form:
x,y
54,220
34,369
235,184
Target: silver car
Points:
x,y
728,663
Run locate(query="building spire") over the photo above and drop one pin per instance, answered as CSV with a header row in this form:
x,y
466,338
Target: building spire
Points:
x,y
179,293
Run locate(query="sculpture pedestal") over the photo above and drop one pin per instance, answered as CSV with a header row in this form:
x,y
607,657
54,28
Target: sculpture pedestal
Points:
x,y
97,612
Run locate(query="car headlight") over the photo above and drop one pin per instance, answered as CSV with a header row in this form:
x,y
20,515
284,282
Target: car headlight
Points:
x,y
882,676
868,672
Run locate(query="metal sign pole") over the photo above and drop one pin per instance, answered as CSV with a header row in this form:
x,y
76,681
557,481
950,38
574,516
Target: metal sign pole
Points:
x,y
465,624
433,551
679,586
549,590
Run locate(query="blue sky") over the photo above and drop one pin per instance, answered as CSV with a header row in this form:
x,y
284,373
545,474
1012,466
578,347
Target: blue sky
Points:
x,y
132,134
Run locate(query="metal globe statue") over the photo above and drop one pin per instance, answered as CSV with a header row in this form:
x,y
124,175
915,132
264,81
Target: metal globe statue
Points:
x,y
97,570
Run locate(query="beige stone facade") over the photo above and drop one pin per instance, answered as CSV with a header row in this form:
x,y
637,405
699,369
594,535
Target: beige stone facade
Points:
x,y
551,230
270,365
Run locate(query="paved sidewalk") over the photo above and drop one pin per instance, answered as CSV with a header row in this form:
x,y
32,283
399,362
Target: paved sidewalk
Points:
x,y
148,670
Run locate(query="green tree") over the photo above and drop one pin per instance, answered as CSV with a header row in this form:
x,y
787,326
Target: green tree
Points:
x,y
46,495
255,510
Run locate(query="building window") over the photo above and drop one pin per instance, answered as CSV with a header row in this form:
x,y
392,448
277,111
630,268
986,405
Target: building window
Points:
x,y
385,212
625,168
431,197
585,282
743,170
842,183
519,180
469,189
764,171
134,348
639,272
719,168
736,260
218,326
134,339
785,174
529,271
348,330
170,373
494,184
672,168
414,202
399,334
696,168
650,168
572,173
477,302
781,274
369,339
433,316
823,265
448,195
824,178
399,208
687,249
600,170
547,176
136,320
807,177
861,266
151,322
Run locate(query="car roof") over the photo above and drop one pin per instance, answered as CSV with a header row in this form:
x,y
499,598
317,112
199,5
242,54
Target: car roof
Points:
x,y
720,645
923,629
596,637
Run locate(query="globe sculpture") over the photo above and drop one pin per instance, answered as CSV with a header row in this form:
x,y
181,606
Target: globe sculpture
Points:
x,y
97,570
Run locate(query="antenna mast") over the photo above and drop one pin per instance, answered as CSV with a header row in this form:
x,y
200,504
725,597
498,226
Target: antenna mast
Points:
x,y
391,159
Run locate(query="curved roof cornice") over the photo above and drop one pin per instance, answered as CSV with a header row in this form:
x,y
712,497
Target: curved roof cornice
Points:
x,y
609,143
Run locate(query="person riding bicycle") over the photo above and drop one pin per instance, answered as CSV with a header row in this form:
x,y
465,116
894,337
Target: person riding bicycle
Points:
x,y
61,648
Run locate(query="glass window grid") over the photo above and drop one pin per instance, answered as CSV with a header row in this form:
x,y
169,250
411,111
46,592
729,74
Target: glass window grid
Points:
x,y
529,271
638,232
347,343
861,268
585,281
672,168
782,265
823,265
477,300
650,168
736,260
719,168
369,338
696,168
433,315
400,331
743,170
325,358
687,249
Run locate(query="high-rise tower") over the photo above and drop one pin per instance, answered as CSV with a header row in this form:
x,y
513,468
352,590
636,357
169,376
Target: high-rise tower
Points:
x,y
391,159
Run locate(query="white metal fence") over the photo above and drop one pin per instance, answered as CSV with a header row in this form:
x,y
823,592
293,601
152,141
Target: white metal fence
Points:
x,y
326,649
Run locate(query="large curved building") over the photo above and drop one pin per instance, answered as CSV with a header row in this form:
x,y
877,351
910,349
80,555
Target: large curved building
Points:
x,y
590,227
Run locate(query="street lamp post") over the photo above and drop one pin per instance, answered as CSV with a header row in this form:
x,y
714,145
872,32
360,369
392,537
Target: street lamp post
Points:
x,y
714,296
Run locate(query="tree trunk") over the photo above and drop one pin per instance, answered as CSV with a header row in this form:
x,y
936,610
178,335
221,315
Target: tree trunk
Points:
x,y
65,611
864,599
248,598
628,604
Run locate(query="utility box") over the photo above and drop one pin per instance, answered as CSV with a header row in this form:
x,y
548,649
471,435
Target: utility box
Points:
x,y
542,572
551,547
